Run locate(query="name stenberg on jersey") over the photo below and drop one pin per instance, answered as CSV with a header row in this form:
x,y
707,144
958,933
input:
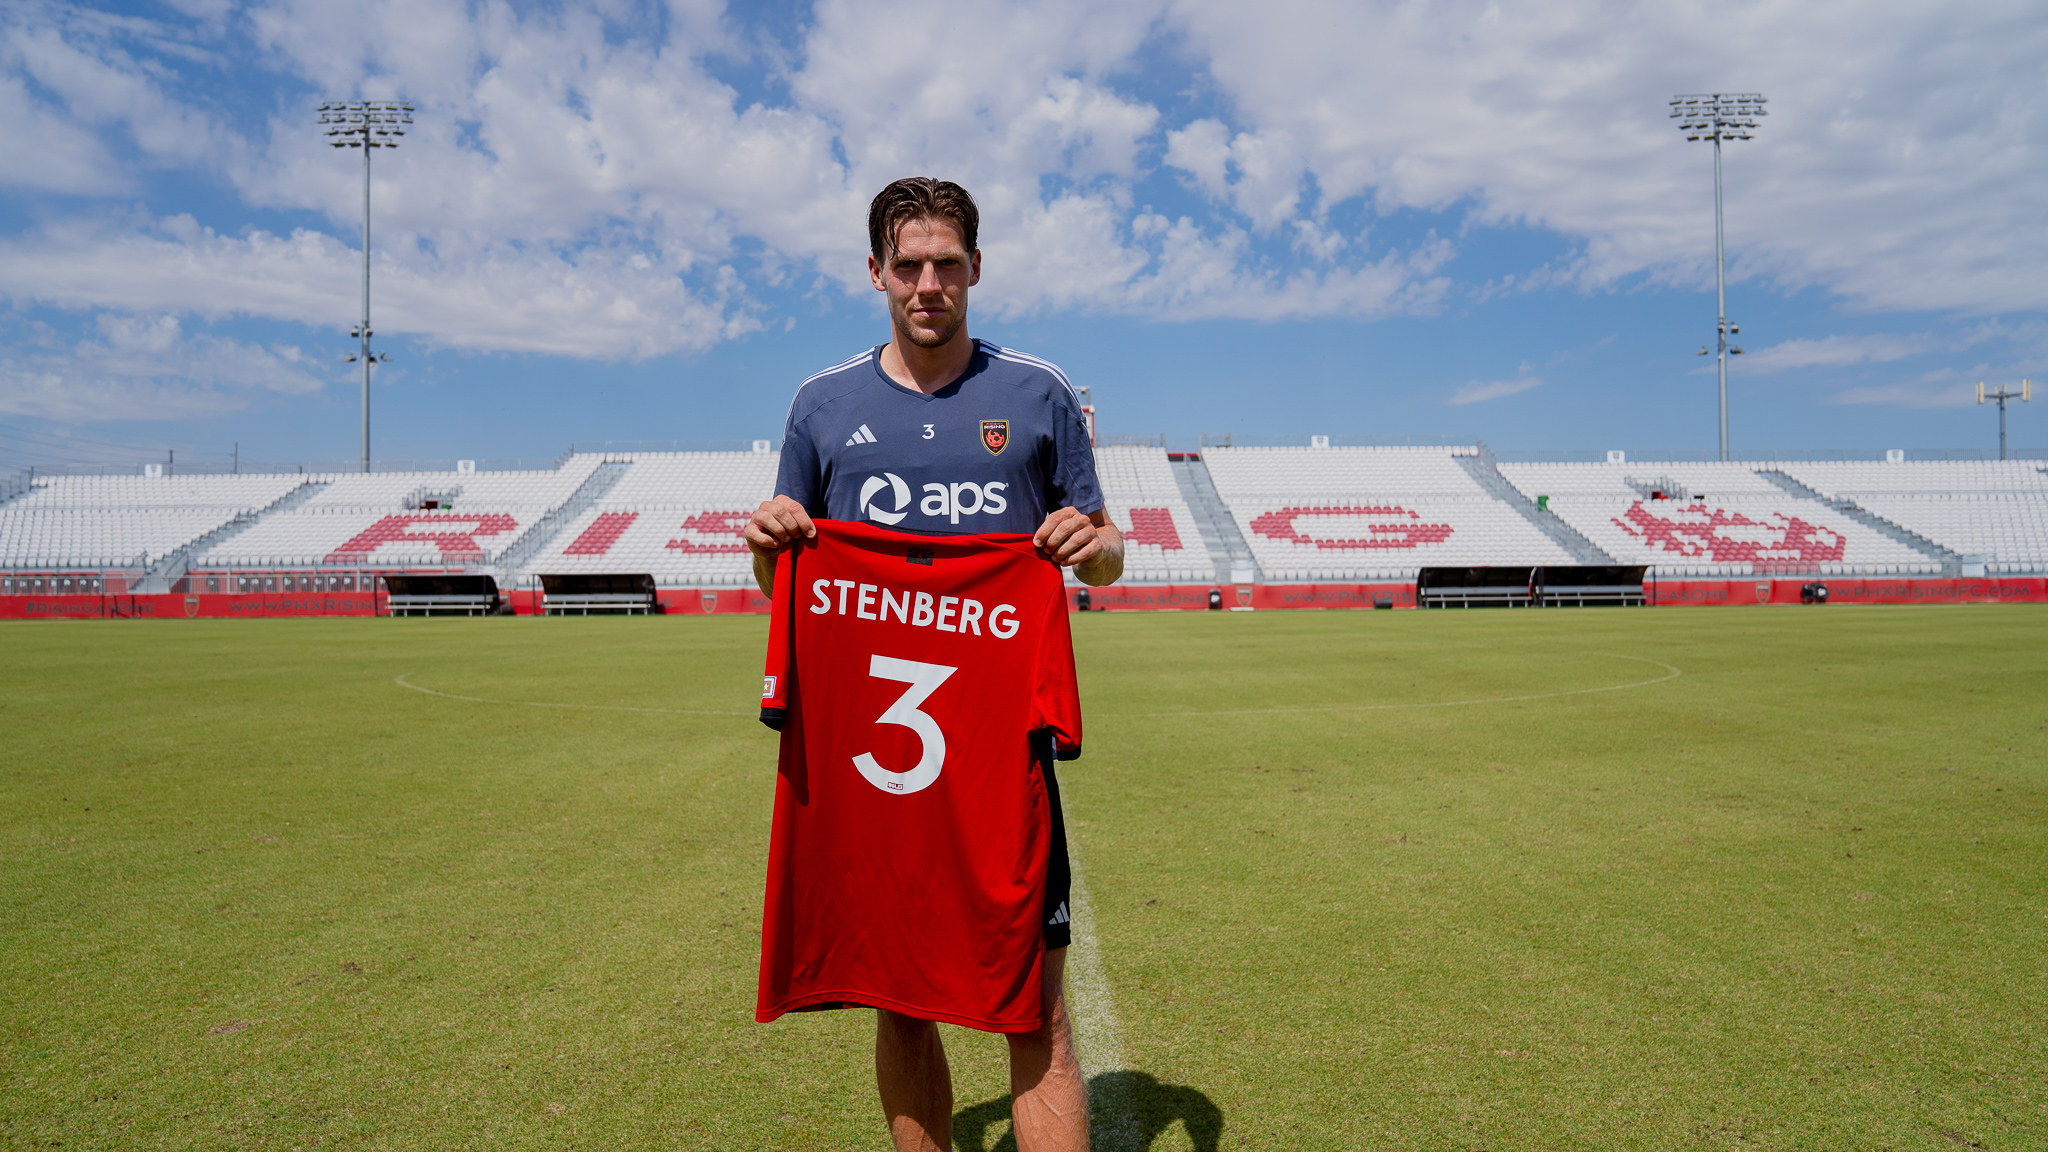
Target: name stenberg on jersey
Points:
x,y
917,609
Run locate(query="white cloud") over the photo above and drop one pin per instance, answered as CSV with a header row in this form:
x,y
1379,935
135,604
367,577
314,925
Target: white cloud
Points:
x,y
595,302
1479,391
146,367
1894,169
1834,351
580,181
1920,394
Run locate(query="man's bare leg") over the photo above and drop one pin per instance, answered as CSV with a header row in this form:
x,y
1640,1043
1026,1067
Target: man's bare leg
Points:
x,y
1048,1097
916,1084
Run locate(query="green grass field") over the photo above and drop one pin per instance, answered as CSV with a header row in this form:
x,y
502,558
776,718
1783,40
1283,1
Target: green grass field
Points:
x,y
1359,880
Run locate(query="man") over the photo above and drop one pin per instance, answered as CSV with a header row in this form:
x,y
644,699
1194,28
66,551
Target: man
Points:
x,y
937,432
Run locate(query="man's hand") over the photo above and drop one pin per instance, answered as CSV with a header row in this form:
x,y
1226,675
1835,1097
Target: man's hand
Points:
x,y
775,524
1089,544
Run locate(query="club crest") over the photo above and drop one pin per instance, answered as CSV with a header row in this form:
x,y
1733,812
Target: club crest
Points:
x,y
995,436
1763,591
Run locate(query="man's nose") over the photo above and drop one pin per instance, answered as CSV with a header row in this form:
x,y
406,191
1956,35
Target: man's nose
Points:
x,y
928,280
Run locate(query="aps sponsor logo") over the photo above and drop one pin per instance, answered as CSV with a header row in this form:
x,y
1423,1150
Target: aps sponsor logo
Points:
x,y
939,501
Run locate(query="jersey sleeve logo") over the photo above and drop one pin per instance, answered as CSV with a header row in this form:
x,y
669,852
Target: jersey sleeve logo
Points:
x,y
995,436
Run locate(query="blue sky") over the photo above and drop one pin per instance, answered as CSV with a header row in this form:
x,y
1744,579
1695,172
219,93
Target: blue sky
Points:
x,y
626,221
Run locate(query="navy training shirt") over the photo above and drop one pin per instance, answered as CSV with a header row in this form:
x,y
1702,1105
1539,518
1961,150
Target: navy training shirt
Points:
x,y
997,450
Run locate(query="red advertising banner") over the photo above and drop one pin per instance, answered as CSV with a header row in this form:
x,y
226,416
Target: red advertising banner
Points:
x,y
1854,590
1116,598
194,606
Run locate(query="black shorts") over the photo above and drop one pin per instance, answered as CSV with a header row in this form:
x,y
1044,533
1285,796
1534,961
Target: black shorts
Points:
x,y
1059,873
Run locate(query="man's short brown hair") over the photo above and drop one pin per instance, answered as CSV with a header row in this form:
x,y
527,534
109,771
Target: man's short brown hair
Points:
x,y
916,198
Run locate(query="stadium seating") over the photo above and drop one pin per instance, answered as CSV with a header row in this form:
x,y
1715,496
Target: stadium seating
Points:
x,y
1308,514
385,518
1994,510
125,521
1715,518
1369,513
674,515
1161,542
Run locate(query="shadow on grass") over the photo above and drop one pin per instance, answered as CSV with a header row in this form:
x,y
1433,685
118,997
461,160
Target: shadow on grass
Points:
x,y
1127,1112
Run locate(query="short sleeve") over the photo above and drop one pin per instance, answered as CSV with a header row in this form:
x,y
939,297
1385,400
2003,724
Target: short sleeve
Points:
x,y
1056,697
1073,472
799,476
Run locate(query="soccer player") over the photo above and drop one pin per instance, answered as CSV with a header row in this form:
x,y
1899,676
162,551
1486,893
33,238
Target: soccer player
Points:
x,y
937,432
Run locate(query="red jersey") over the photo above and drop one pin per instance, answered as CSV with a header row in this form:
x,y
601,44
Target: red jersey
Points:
x,y
906,869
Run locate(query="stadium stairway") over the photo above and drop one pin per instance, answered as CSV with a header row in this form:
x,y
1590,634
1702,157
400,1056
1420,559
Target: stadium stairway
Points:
x,y
1482,468
1951,562
512,562
168,571
1227,548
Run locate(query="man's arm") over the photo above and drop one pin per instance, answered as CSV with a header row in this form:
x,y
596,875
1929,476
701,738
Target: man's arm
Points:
x,y
1087,543
774,525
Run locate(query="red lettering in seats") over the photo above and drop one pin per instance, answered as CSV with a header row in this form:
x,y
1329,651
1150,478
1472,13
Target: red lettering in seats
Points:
x,y
454,533
603,532
1152,526
1387,526
720,525
1730,537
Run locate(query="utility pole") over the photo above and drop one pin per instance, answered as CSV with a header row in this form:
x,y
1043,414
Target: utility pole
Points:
x,y
2003,394
1719,116
365,124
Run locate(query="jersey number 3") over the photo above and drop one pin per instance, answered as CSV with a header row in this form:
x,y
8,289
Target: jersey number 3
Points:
x,y
924,679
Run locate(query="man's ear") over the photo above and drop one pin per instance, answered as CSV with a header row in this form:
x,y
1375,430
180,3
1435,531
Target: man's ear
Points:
x,y
974,268
875,274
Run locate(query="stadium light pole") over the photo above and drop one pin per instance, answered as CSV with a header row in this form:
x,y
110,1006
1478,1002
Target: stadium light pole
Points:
x,y
365,124
2003,394
1719,116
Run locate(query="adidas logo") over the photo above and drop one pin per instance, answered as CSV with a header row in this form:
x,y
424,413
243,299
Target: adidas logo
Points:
x,y
1059,915
864,436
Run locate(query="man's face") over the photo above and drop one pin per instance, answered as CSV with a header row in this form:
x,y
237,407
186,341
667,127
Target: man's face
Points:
x,y
927,280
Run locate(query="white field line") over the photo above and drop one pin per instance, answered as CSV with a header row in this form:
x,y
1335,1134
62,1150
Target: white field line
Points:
x,y
1670,674
402,682
1097,1032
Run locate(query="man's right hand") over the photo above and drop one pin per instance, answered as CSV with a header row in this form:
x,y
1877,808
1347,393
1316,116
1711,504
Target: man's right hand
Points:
x,y
775,524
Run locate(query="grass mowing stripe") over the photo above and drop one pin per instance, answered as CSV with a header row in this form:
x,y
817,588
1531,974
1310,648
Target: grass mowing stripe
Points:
x,y
1670,674
404,682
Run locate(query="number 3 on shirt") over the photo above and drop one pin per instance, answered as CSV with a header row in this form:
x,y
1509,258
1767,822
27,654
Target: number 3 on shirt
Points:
x,y
924,679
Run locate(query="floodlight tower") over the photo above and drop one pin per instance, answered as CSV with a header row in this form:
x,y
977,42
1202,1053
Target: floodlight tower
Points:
x,y
1719,116
365,124
2003,394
